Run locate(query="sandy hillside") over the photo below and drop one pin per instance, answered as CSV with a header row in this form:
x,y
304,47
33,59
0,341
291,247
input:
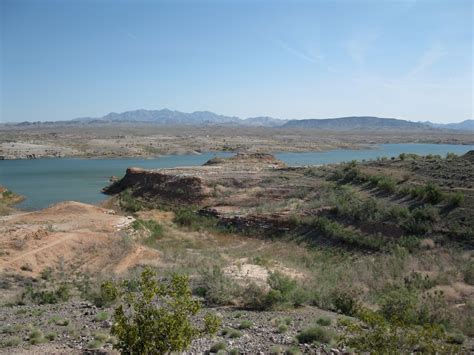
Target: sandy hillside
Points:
x,y
79,236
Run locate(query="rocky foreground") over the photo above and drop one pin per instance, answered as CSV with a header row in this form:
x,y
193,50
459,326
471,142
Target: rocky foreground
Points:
x,y
77,326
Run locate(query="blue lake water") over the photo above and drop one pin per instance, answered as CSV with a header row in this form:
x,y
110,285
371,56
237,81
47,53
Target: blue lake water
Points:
x,y
47,181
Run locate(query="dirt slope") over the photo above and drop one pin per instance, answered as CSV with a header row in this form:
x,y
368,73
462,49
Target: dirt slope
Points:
x,y
76,235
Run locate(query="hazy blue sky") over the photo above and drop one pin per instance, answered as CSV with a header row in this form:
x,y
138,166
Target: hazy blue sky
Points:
x,y
408,59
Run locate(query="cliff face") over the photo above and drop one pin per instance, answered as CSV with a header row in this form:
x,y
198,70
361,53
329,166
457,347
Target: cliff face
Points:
x,y
150,183
219,176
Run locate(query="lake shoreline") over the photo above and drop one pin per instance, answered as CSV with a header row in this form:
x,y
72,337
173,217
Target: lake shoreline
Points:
x,y
47,181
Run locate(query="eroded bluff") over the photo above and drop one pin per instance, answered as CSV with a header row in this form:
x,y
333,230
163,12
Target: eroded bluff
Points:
x,y
197,184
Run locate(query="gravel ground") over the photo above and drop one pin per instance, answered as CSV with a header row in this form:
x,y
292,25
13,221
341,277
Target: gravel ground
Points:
x,y
77,324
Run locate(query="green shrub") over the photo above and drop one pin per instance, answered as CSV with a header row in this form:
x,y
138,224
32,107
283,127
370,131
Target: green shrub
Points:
x,y
221,345
51,336
9,329
421,220
231,333
255,297
101,316
36,337
324,321
11,341
468,273
129,203
398,304
185,217
95,344
103,337
245,324
59,321
38,295
105,296
299,297
156,318
456,199
234,351
432,194
155,230
416,281
345,301
315,334
387,184
338,233
375,333
215,287
282,328
292,350
456,338
47,274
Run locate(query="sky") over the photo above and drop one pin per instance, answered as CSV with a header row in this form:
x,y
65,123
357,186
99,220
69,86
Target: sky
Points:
x,y
407,59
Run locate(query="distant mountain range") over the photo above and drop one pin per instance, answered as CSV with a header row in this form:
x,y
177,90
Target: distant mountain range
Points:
x,y
355,123
467,125
170,117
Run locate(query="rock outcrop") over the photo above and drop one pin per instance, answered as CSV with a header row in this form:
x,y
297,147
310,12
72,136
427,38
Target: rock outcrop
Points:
x,y
162,184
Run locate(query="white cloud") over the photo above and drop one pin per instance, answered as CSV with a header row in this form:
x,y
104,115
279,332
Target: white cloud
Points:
x,y
427,59
306,55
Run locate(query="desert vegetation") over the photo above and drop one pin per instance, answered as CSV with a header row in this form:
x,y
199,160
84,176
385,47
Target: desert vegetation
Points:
x,y
358,256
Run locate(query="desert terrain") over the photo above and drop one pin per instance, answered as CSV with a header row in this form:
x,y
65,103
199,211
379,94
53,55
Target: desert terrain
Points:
x,y
290,259
149,140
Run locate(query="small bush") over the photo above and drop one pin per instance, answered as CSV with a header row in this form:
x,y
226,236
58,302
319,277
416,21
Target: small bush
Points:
x,y
398,304
47,274
215,287
292,350
26,267
106,296
95,344
51,336
11,341
154,229
324,321
231,333
36,337
456,199
221,345
421,220
129,203
345,301
387,184
9,329
101,316
62,322
468,273
38,295
315,334
276,350
245,324
282,328
156,317
376,332
432,194
455,338
255,297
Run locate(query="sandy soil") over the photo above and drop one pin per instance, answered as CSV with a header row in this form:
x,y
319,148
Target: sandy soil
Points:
x,y
80,236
